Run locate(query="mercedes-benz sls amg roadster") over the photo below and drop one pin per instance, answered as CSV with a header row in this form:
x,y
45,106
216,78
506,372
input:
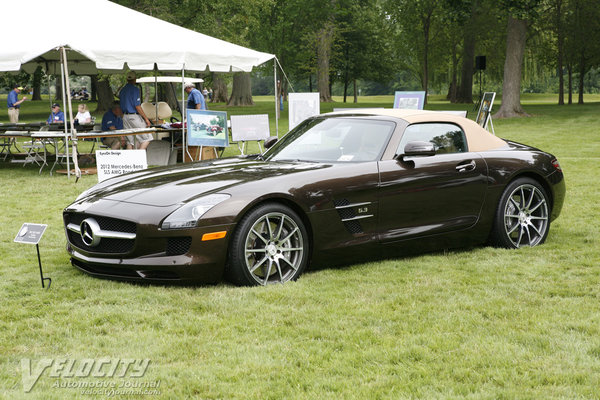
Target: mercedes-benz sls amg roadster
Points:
x,y
337,188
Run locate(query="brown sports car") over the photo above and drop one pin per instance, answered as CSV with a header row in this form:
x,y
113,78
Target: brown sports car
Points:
x,y
337,188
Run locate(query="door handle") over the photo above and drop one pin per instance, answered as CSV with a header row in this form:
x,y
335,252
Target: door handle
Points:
x,y
466,166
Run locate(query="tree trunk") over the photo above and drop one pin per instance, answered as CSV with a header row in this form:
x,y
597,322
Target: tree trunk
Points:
x,y
513,66
219,89
324,42
581,78
37,84
310,83
453,89
167,92
58,89
570,72
105,96
560,45
426,27
94,88
465,90
241,93
355,94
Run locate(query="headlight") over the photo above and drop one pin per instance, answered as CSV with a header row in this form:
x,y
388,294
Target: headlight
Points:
x,y
187,216
84,194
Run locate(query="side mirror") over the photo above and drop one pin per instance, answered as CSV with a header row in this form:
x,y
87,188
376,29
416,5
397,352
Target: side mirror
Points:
x,y
417,149
270,141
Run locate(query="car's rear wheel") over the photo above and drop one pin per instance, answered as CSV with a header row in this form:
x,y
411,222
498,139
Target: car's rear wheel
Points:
x,y
270,245
522,217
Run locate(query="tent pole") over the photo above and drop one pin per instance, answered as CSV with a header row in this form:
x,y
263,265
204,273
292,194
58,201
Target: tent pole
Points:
x,y
155,93
62,79
73,131
276,95
183,122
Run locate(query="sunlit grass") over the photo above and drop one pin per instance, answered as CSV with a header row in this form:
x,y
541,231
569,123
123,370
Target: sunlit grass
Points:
x,y
468,323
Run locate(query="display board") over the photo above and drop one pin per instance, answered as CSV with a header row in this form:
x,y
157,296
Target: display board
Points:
x,y
302,106
455,112
249,127
409,100
207,128
485,109
116,162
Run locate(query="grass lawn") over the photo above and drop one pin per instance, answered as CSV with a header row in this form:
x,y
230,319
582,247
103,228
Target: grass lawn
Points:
x,y
470,323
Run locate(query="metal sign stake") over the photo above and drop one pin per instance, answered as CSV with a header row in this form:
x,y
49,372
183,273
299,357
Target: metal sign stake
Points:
x,y
37,247
32,234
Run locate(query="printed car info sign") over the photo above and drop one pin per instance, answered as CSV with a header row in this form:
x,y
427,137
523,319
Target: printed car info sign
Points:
x,y
30,233
116,162
302,106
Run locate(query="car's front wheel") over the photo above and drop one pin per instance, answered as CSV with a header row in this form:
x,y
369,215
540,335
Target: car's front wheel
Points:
x,y
522,217
270,245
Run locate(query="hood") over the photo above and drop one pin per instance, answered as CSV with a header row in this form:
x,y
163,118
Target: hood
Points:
x,y
168,186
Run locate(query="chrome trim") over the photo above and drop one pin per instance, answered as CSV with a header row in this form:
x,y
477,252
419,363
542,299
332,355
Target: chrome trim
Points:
x,y
357,217
103,234
353,205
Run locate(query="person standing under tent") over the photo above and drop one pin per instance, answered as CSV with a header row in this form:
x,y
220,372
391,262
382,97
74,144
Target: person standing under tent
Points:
x,y
14,104
56,116
195,99
134,116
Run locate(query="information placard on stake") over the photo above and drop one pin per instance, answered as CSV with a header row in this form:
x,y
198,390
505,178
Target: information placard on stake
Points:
x,y
32,234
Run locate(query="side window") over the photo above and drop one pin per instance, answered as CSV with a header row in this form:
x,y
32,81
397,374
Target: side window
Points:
x,y
446,137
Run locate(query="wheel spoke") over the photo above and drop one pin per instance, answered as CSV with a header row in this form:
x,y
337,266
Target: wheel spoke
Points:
x,y
536,229
279,270
269,226
513,228
533,193
290,235
258,235
270,267
258,264
291,264
280,228
517,205
520,235
537,205
543,218
526,228
256,250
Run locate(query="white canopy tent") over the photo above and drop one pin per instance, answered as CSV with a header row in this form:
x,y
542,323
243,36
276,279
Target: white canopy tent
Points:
x,y
111,39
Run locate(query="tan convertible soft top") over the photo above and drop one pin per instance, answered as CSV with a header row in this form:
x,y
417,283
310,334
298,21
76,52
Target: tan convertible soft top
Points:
x,y
478,139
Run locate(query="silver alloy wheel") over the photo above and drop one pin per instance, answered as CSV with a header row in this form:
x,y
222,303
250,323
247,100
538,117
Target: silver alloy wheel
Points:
x,y
526,216
273,248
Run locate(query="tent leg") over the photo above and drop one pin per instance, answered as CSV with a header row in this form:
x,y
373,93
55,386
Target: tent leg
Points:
x,y
276,95
73,131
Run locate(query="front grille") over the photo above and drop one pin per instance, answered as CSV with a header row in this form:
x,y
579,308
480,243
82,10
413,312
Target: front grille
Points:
x,y
106,245
178,245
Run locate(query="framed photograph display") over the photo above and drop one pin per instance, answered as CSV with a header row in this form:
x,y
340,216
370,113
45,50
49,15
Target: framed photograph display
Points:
x,y
249,127
485,109
409,100
207,128
302,106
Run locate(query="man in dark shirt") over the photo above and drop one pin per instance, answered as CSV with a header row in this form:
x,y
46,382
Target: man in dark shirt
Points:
x,y
113,120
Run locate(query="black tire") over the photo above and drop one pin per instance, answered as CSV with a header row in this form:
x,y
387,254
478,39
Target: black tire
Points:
x,y
523,215
270,245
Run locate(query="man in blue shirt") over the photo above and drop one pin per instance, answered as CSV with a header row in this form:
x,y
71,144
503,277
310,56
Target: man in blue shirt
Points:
x,y
195,99
113,120
14,104
56,116
134,116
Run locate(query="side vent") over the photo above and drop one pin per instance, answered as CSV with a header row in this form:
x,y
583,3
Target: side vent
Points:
x,y
349,216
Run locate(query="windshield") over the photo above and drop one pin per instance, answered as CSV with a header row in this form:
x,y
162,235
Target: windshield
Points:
x,y
334,140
